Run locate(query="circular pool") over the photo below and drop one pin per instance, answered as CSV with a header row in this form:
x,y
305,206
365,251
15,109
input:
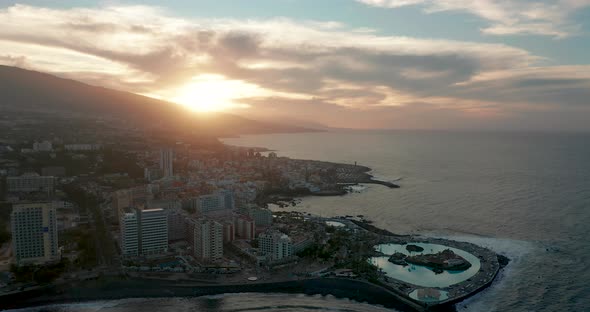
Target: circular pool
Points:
x,y
421,275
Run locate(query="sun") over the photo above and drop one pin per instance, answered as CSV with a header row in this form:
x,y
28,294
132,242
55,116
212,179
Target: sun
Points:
x,y
214,93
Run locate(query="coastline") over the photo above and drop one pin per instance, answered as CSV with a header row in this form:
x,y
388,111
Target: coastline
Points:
x,y
388,294
115,287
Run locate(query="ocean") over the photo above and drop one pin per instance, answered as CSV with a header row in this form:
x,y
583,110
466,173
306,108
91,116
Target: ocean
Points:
x,y
523,195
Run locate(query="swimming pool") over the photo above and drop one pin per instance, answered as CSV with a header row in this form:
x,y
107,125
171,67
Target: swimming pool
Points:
x,y
421,275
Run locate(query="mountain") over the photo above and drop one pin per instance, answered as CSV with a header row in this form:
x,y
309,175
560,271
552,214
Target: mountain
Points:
x,y
27,90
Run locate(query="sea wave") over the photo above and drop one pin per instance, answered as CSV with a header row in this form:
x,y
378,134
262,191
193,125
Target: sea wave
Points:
x,y
517,251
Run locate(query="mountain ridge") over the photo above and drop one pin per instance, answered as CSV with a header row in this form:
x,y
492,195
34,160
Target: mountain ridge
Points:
x,y
23,89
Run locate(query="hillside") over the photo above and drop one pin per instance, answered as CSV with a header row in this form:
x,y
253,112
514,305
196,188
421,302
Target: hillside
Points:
x,y
27,90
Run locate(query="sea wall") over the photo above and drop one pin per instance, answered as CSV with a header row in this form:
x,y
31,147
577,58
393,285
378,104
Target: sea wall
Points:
x,y
117,288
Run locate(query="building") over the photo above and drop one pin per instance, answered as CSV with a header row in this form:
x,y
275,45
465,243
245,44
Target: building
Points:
x,y
44,146
167,162
153,233
229,233
275,245
221,202
129,227
261,216
121,199
82,147
34,233
208,240
245,227
228,199
152,174
167,204
143,232
300,242
30,182
176,225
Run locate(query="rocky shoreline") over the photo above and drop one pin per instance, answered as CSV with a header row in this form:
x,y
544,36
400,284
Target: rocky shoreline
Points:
x,y
346,176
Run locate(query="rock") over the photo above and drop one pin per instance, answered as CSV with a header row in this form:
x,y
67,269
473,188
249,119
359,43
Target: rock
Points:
x,y
414,248
503,260
437,270
445,260
398,258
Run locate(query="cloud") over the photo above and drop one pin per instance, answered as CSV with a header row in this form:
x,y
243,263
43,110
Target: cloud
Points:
x,y
507,17
327,69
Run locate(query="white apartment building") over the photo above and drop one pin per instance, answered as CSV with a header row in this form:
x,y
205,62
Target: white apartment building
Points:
x,y
144,232
129,227
208,240
34,233
153,224
275,245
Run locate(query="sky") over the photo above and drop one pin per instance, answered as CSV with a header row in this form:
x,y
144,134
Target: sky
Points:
x,y
400,64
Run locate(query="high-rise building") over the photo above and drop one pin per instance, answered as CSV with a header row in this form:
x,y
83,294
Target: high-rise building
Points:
x,y
129,227
229,233
221,202
167,162
34,233
228,199
153,224
144,232
275,245
245,227
152,174
176,224
261,216
208,240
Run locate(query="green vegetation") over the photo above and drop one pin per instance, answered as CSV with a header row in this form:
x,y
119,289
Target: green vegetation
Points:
x,y
5,210
118,162
96,245
315,251
4,234
84,243
72,165
346,250
39,274
87,246
190,210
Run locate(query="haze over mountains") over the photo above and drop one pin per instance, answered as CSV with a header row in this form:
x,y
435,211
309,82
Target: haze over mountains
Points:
x,y
25,90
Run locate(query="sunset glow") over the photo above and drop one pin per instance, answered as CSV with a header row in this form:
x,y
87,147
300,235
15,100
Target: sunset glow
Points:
x,y
340,71
214,93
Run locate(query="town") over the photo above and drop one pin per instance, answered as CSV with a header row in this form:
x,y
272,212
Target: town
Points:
x,y
115,205
80,210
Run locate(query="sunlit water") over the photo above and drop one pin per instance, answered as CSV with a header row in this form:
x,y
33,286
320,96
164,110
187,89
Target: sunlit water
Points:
x,y
520,194
421,275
